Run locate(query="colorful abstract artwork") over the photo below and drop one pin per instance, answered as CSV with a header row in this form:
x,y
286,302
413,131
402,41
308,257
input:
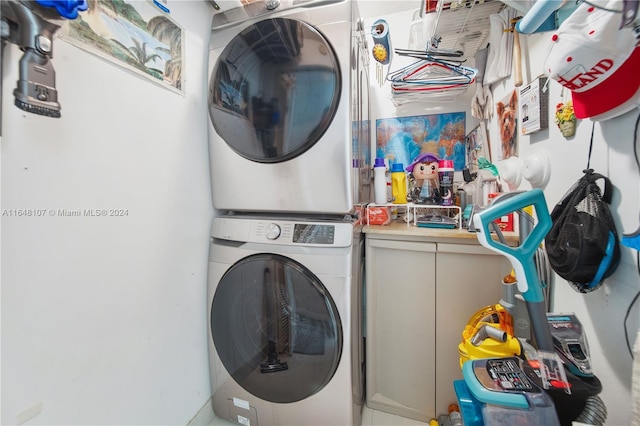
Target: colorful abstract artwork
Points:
x,y
402,139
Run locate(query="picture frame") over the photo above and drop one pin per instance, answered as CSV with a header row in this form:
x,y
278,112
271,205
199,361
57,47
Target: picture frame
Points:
x,y
402,139
507,116
477,145
135,35
534,107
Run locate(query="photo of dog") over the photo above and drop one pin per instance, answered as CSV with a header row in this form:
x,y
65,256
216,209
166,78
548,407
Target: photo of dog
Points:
x,y
507,123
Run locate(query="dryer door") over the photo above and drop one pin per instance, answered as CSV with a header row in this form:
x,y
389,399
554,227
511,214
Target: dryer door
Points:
x,y
275,328
274,90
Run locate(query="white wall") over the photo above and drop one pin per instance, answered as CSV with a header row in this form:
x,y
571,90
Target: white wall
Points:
x,y
601,312
104,318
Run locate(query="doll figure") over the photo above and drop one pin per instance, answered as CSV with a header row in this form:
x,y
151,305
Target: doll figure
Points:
x,y
423,178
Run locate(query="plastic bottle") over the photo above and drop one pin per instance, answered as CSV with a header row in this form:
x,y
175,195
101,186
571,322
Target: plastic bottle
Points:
x,y
389,194
398,184
455,418
379,181
445,177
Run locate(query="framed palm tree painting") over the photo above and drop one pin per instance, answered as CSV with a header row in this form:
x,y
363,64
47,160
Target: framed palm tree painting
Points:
x,y
132,34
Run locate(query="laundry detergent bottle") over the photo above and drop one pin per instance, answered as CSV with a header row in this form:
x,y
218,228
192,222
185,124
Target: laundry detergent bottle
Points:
x,y
380,181
398,184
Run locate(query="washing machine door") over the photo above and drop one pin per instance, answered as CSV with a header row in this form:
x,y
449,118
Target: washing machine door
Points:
x,y
275,328
274,90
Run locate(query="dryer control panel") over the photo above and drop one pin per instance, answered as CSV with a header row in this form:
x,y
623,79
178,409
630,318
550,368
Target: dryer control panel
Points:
x,y
283,232
250,9
306,233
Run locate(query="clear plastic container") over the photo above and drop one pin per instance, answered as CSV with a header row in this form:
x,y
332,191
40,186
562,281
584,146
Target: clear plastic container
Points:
x,y
536,416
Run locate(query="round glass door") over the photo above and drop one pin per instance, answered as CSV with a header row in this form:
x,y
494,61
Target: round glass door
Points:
x,y
274,90
276,329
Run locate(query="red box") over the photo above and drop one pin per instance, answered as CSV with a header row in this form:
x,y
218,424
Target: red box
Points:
x,y
505,222
378,215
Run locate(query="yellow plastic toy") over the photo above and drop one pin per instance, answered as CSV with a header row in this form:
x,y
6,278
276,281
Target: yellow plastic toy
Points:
x,y
489,334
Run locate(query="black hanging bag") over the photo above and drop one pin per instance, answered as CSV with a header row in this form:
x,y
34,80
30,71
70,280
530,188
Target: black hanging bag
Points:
x,y
582,244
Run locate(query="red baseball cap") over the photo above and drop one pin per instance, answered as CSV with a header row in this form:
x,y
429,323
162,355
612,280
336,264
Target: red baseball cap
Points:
x,y
596,60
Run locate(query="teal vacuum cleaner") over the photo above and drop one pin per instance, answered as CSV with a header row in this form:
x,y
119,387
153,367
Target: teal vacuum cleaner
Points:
x,y
550,390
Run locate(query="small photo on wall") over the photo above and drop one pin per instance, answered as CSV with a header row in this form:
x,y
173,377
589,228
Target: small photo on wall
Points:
x,y
477,144
507,115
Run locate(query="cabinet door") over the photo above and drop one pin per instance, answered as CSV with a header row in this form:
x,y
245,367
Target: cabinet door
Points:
x,y
400,327
468,278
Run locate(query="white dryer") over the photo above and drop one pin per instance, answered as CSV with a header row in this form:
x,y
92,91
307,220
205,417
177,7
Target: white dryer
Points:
x,y
288,104
285,321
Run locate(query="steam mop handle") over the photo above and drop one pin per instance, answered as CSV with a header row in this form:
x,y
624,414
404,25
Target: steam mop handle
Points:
x,y
522,257
538,317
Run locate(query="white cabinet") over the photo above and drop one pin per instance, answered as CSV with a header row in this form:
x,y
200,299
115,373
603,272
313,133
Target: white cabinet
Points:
x,y
420,293
400,328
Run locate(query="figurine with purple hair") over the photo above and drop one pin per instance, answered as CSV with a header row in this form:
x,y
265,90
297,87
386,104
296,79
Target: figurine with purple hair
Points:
x,y
423,179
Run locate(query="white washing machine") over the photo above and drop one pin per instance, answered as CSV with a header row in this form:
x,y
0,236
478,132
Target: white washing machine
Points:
x,y
288,104
285,321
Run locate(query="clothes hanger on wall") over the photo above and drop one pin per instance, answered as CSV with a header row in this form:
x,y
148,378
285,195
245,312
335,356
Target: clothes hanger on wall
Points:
x,y
430,77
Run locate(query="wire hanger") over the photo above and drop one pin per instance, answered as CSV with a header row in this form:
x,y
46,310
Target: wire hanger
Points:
x,y
434,71
431,78
432,54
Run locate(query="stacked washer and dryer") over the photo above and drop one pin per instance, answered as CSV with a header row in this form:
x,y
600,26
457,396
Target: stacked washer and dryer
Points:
x,y
289,145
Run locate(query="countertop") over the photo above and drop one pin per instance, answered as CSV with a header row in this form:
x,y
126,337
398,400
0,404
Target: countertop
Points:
x,y
411,232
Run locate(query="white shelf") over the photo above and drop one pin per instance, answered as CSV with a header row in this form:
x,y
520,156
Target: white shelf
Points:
x,y
405,208
452,213
413,211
